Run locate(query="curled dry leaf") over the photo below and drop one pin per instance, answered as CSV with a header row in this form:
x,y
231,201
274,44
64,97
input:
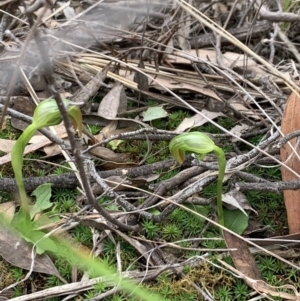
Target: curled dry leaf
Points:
x,y
290,123
112,102
262,287
8,209
110,158
242,257
15,250
238,130
6,145
235,199
197,120
176,85
230,59
153,113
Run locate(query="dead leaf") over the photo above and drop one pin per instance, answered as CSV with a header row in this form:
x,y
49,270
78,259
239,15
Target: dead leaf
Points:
x,y
28,149
25,106
110,104
242,257
41,10
141,80
235,199
108,130
175,85
219,9
69,12
99,137
153,113
115,182
110,158
60,131
15,250
8,209
264,288
107,154
230,59
243,110
40,142
6,145
290,123
89,90
52,150
196,120
183,31
238,131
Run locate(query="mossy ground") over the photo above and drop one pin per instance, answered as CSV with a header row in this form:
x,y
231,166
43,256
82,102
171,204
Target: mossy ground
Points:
x,y
179,226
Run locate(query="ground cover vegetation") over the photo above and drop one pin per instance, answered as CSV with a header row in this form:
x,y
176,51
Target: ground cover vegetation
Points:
x,y
116,203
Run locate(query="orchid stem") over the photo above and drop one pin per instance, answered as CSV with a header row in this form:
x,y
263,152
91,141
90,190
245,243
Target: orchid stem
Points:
x,y
17,163
222,166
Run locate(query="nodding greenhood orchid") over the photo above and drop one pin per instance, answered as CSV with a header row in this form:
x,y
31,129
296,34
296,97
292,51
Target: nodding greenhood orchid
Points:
x,y
45,114
201,145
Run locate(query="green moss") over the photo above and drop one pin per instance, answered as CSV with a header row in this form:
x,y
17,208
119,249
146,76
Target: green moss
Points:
x,y
94,129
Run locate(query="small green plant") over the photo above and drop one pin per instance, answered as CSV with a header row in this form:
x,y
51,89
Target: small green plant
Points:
x,y
52,281
40,173
82,234
273,173
59,194
8,131
64,204
171,232
224,293
98,289
267,263
64,267
6,197
166,292
94,129
177,215
212,129
226,123
89,295
256,139
209,244
193,225
280,266
201,145
209,191
18,291
118,297
176,117
109,248
60,170
151,229
128,254
240,290
168,175
293,275
45,114
115,144
17,273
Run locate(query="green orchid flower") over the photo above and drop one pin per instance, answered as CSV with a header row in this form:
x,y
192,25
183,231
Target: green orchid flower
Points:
x,y
45,114
201,145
